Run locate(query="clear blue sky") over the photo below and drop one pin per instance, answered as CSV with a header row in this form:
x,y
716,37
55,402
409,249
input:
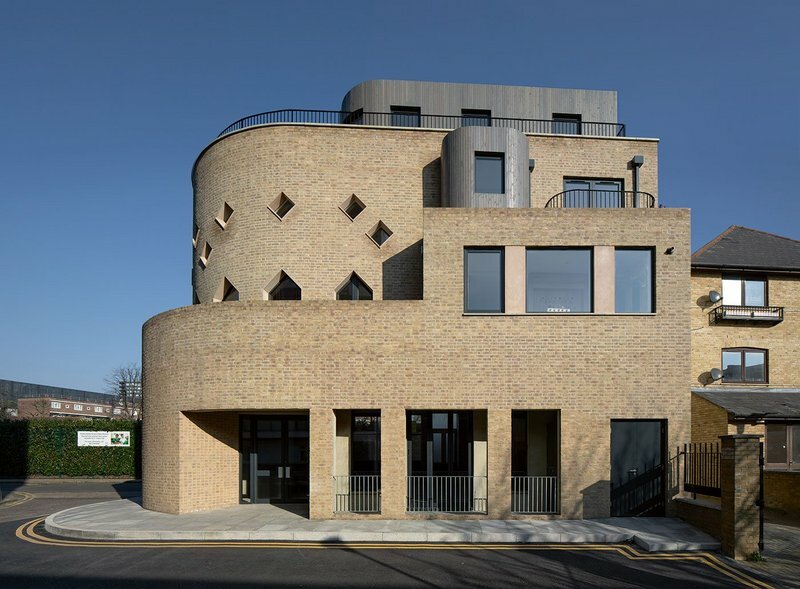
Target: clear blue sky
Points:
x,y
104,106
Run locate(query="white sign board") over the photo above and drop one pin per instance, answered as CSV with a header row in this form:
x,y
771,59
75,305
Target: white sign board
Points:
x,y
120,439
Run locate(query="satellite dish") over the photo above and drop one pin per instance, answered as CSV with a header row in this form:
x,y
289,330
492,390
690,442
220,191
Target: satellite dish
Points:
x,y
716,374
714,296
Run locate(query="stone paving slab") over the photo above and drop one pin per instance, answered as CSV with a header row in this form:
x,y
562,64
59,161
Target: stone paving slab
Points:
x,y
125,519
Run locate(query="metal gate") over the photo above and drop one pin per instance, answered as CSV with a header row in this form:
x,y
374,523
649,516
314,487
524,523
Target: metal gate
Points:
x,y
638,478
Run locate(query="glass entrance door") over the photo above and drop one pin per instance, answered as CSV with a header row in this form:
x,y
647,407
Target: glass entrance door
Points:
x,y
275,458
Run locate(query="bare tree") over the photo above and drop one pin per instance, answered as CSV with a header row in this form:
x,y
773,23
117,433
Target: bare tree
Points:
x,y
40,408
125,383
7,405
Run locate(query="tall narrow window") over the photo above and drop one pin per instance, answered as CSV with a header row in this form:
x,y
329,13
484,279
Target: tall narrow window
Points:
x,y
633,280
476,118
405,116
484,291
748,365
558,280
354,289
490,173
365,440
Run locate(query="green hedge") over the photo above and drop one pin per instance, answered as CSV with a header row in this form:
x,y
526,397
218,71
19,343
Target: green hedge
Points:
x,y
49,447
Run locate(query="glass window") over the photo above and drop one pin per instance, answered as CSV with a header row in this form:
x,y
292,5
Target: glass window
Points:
x,y
484,291
558,280
476,118
354,289
744,365
567,124
592,193
633,280
490,173
78,407
365,444
285,290
55,405
405,116
744,291
777,450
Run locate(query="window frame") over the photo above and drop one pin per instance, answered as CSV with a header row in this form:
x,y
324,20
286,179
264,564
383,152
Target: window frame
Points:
x,y
789,428
349,284
590,249
742,278
576,118
652,251
376,434
502,251
494,155
407,111
476,114
742,350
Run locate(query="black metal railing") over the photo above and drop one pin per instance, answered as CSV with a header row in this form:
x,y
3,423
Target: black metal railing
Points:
x,y
642,494
405,119
447,493
701,468
746,313
601,199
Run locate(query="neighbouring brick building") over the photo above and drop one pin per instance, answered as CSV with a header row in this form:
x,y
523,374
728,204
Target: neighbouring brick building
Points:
x,y
444,300
31,400
745,350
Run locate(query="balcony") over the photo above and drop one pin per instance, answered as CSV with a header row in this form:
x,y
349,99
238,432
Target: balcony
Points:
x,y
733,313
386,119
601,199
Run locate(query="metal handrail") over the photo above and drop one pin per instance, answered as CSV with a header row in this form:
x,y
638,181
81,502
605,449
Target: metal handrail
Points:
x,y
534,494
446,493
388,119
357,493
746,313
578,198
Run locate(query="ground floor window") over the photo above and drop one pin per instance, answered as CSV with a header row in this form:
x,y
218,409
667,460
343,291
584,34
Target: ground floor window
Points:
x,y
535,461
782,447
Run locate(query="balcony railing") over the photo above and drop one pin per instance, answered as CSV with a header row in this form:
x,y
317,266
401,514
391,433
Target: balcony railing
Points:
x,y
388,119
534,494
746,313
357,493
601,199
448,494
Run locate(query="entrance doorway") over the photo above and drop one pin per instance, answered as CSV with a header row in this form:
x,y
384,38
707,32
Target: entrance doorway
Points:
x,y
638,481
274,458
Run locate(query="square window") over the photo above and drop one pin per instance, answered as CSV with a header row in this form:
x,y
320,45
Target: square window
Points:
x,y
633,280
484,289
281,206
380,233
744,365
739,291
55,405
205,255
405,116
476,118
558,280
224,215
566,124
353,207
490,173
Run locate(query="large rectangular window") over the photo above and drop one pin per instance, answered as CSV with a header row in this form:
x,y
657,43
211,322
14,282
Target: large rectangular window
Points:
x,y
405,116
633,280
744,365
558,280
782,446
567,124
585,193
484,291
744,291
490,173
476,118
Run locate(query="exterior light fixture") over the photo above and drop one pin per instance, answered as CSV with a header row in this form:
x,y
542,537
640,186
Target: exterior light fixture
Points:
x,y
716,374
714,296
669,251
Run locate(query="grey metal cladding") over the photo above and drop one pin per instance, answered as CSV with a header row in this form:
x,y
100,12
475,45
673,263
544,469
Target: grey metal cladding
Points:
x,y
516,102
458,167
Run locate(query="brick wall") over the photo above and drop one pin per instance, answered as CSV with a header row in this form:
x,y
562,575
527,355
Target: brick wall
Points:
x,y
322,355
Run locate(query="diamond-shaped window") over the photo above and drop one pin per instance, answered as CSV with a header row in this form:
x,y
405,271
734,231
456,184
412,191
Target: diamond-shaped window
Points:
x,y
195,235
226,292
205,254
283,288
281,206
354,289
353,207
380,233
224,215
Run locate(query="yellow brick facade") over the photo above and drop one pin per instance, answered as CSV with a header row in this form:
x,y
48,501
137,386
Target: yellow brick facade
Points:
x,y
205,365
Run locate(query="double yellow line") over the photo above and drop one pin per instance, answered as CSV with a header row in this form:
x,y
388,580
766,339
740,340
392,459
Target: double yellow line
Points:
x,y
27,532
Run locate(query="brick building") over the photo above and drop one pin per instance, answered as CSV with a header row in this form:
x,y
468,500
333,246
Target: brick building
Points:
x,y
745,346
444,300
29,400
41,407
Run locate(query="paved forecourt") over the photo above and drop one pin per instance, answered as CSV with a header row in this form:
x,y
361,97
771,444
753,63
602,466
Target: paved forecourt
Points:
x,y
125,519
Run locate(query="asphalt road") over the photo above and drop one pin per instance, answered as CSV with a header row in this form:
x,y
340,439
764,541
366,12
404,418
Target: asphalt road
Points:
x,y
26,564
